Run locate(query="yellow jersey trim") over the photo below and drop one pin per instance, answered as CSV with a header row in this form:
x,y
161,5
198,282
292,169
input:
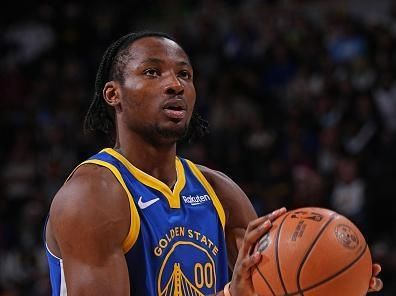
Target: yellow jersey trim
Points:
x,y
134,227
216,202
173,197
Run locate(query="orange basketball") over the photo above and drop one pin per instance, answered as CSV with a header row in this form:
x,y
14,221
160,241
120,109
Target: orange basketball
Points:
x,y
312,252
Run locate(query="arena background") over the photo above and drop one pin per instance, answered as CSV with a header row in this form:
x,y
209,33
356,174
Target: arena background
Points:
x,y
300,96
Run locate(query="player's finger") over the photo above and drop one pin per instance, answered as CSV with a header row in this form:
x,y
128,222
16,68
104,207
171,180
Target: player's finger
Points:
x,y
376,269
272,216
376,284
275,214
249,262
251,237
256,223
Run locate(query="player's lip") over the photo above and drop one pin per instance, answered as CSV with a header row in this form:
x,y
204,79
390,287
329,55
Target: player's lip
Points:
x,y
175,109
175,104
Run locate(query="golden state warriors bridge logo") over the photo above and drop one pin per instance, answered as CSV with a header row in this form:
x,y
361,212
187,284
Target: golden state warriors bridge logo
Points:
x,y
188,267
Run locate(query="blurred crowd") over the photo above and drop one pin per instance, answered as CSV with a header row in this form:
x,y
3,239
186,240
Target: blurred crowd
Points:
x,y
301,106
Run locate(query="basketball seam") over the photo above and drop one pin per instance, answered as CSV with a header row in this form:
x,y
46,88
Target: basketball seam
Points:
x,y
309,251
265,280
277,255
334,275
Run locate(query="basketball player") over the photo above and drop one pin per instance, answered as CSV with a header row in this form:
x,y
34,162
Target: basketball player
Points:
x,y
137,219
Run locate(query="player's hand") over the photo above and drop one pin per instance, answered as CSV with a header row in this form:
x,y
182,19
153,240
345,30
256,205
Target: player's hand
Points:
x,y
241,282
376,283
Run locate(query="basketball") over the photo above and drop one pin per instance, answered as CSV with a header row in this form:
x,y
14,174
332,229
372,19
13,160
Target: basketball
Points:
x,y
312,252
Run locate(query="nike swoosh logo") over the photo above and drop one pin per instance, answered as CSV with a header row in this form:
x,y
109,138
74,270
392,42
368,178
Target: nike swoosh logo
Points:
x,y
145,204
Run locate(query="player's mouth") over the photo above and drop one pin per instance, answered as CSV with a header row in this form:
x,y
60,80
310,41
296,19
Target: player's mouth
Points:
x,y
175,109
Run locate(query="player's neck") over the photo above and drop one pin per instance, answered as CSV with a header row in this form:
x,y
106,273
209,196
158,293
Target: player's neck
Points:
x,y
155,160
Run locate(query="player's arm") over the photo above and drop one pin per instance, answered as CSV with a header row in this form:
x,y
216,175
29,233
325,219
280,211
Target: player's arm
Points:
x,y
243,229
89,220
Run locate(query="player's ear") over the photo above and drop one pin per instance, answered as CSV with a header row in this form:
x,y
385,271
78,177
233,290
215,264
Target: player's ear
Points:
x,y
111,93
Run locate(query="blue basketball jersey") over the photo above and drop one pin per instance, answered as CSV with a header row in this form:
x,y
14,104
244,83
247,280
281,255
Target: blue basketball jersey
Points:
x,y
176,243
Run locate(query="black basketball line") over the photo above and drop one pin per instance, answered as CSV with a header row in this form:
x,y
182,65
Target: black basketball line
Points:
x,y
277,255
265,280
309,251
334,275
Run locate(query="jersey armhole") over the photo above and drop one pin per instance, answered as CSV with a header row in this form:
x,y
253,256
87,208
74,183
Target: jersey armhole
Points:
x,y
134,226
216,202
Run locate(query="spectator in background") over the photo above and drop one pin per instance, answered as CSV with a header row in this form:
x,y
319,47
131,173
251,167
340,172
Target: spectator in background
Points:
x,y
348,196
328,151
307,188
385,100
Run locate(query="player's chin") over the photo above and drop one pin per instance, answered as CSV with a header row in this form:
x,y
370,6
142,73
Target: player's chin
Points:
x,y
173,130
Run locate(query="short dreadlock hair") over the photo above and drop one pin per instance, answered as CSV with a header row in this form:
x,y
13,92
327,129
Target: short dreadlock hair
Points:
x,y
100,116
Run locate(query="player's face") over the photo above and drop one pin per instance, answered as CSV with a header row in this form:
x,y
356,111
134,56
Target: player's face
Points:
x,y
158,94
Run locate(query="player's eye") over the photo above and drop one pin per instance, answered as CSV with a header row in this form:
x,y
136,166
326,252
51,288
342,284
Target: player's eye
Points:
x,y
185,75
151,72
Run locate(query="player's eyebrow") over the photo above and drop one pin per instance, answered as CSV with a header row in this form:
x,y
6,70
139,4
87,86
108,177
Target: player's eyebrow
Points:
x,y
184,63
152,61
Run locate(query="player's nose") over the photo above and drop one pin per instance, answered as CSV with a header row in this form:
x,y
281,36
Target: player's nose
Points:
x,y
174,86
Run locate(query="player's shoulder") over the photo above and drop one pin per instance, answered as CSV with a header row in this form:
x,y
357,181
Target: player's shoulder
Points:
x,y
89,179
229,193
90,187
90,209
216,178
